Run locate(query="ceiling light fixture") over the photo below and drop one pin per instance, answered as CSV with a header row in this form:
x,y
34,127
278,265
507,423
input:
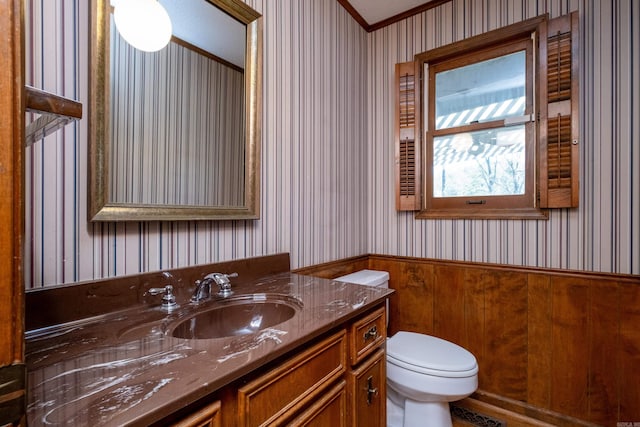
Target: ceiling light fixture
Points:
x,y
144,24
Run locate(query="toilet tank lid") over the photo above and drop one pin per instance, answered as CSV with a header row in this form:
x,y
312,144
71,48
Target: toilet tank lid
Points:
x,y
365,277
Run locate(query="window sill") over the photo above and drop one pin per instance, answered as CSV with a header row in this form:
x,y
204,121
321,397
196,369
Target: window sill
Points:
x,y
526,213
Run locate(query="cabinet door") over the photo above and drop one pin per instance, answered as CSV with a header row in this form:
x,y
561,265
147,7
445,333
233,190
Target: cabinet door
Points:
x,y
330,410
209,416
276,396
368,406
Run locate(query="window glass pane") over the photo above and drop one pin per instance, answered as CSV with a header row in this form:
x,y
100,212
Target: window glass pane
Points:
x,y
484,91
484,163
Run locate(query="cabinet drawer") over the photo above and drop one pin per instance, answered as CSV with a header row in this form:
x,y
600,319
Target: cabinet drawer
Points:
x,y
368,392
366,335
329,410
274,397
209,416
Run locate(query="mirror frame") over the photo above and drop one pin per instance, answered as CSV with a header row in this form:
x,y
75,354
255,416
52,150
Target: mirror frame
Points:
x,y
99,206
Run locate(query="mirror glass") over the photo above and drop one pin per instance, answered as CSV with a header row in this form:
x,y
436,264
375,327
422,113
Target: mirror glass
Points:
x,y
175,133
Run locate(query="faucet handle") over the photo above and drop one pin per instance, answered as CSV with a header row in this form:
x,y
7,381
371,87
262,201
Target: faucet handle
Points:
x,y
220,277
168,298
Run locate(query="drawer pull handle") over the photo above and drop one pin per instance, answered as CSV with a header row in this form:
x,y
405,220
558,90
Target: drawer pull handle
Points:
x,y
371,333
371,390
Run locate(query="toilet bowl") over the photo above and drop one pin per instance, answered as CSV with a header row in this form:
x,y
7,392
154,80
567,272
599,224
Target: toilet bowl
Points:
x,y
424,373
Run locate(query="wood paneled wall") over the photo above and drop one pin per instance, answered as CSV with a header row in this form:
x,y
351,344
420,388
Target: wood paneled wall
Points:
x,y
563,341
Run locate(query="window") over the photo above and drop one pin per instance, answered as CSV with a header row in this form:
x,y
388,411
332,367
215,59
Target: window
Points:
x,y
479,130
483,138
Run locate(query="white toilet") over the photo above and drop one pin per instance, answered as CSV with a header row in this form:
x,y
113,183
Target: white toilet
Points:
x,y
424,373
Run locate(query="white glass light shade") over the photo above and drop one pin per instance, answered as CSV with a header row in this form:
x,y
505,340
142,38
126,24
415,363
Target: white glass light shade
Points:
x,y
144,24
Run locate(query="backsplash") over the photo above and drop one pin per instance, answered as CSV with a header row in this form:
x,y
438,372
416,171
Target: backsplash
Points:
x,y
327,151
54,305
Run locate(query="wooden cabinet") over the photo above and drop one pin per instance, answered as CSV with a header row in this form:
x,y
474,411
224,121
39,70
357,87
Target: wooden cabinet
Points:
x,y
338,380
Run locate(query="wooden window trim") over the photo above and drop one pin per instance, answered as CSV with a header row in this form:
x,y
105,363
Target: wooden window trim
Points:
x,y
496,206
546,194
475,43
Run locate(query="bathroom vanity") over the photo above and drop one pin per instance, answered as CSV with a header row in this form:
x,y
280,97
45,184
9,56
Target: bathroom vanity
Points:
x,y
324,365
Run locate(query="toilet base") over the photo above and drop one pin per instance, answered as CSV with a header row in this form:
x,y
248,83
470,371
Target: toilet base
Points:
x,y
395,414
418,414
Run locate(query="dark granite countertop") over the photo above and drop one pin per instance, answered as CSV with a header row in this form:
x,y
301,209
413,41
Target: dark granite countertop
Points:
x,y
124,368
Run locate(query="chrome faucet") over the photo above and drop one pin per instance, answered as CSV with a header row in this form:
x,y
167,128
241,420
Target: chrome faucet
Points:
x,y
202,290
203,287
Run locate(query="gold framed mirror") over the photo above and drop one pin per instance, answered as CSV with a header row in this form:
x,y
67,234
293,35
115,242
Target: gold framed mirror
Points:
x,y
172,182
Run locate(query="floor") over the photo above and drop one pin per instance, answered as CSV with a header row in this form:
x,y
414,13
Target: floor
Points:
x,y
457,422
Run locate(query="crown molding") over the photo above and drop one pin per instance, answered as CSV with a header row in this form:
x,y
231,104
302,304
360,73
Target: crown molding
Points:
x,y
391,20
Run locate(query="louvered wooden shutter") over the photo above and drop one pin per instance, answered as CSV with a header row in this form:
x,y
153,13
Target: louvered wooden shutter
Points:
x,y
558,142
406,139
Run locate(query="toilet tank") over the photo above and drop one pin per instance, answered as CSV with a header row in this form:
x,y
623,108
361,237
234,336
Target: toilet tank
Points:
x,y
368,278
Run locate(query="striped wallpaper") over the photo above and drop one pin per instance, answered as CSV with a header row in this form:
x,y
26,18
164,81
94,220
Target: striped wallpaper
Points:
x,y
327,150
177,122
313,193
603,234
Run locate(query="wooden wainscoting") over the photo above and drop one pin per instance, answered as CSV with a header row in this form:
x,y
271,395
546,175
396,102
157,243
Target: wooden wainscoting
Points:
x,y
563,342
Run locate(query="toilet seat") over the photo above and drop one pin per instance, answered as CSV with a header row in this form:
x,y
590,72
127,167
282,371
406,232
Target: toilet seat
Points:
x,y
429,355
